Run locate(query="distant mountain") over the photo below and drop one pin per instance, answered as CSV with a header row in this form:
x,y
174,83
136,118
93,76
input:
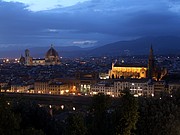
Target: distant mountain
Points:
x,y
141,46
67,51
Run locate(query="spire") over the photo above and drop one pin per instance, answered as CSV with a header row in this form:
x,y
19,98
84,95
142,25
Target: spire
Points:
x,y
151,63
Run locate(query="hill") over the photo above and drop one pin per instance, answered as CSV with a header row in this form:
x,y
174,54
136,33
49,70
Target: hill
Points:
x,y
141,46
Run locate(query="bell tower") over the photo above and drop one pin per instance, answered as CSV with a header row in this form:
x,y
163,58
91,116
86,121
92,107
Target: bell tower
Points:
x,y
151,65
27,57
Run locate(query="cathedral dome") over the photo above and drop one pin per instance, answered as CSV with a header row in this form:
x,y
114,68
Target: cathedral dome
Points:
x,y
52,53
52,57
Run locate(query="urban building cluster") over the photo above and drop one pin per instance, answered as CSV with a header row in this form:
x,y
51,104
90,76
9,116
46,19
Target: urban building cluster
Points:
x,y
143,76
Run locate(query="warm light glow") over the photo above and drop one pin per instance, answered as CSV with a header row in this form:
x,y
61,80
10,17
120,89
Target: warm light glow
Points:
x,y
94,93
108,93
50,106
152,95
74,108
67,91
62,107
62,92
39,91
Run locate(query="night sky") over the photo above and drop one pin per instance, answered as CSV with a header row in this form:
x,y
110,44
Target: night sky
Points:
x,y
85,23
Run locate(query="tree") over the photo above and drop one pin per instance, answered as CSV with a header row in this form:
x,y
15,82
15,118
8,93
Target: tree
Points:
x,y
99,114
127,114
158,117
9,121
33,116
75,125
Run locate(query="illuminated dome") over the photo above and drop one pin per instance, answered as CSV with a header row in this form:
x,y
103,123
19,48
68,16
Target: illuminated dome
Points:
x,y
52,57
52,52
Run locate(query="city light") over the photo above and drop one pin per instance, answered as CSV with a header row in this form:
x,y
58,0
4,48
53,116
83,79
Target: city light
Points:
x,y
62,107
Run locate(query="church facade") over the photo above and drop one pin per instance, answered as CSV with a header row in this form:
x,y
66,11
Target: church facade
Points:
x,y
132,71
51,58
150,71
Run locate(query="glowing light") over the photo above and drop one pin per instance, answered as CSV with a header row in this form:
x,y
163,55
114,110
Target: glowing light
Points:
x,y
152,95
62,92
50,92
108,93
74,108
62,107
8,103
67,91
50,106
94,93
133,84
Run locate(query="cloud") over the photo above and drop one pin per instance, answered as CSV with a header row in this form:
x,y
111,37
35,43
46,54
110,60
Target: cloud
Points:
x,y
39,5
103,21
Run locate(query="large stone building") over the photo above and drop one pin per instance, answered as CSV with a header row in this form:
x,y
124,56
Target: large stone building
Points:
x,y
137,87
150,71
50,87
51,58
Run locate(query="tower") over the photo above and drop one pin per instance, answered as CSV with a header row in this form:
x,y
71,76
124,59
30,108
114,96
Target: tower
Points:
x,y
151,65
27,57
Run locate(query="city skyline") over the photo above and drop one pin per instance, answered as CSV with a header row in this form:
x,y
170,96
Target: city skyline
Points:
x,y
84,23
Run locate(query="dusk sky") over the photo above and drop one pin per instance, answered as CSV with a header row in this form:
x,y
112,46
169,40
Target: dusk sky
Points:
x,y
85,23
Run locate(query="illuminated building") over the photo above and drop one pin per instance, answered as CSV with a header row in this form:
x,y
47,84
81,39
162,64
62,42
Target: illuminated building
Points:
x,y
126,71
51,58
85,80
151,71
21,88
137,87
51,87
105,88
